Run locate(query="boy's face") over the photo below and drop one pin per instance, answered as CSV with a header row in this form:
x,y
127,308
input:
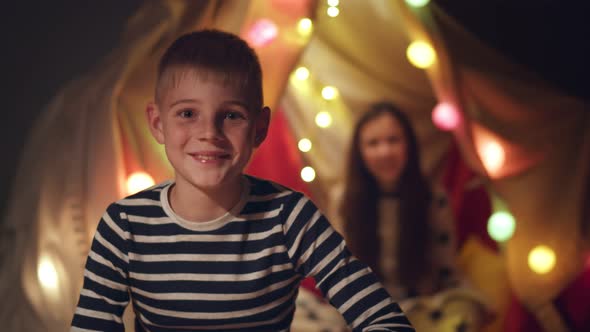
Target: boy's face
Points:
x,y
208,129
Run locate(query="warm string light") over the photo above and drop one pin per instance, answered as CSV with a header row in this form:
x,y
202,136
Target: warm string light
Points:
x,y
307,174
333,11
304,145
541,259
47,274
421,54
301,73
329,93
305,26
417,3
138,181
323,119
492,155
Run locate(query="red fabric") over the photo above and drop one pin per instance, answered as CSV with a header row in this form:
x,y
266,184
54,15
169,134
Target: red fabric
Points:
x,y
279,160
471,205
574,302
472,209
309,284
518,319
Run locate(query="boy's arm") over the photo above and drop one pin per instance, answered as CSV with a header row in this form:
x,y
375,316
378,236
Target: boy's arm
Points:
x,y
104,296
318,251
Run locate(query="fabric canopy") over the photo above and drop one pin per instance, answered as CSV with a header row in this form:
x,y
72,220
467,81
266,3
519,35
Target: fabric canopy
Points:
x,y
93,135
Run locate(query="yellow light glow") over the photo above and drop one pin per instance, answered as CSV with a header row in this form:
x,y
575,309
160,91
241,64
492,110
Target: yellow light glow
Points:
x,y
333,3
329,92
417,3
138,181
304,145
542,259
47,274
307,174
323,119
492,155
333,11
421,54
305,26
302,73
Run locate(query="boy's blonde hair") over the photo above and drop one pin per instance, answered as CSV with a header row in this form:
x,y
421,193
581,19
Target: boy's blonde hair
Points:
x,y
212,54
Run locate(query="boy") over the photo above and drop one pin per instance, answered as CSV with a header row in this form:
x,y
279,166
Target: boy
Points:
x,y
216,249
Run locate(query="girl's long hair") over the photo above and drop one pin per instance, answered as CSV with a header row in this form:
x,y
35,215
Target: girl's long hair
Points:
x,y
360,204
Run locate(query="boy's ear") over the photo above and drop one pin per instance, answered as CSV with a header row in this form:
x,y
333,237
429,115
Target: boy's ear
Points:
x,y
155,121
261,126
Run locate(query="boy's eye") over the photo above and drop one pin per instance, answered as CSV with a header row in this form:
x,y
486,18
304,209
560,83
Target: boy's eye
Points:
x,y
232,115
186,113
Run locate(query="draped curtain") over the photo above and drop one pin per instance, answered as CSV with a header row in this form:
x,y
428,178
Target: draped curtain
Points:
x,y
93,134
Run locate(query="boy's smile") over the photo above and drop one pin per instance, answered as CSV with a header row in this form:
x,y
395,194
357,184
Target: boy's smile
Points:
x,y
208,129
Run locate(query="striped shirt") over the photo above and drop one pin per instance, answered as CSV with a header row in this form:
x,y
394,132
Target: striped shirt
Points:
x,y
240,272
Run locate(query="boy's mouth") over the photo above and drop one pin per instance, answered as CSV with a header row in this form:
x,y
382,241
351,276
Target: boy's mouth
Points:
x,y
210,156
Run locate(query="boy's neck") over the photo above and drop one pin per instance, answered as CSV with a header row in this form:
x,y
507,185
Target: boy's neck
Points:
x,y
198,205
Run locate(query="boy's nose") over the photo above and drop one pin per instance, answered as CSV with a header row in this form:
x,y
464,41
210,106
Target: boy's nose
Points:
x,y
208,129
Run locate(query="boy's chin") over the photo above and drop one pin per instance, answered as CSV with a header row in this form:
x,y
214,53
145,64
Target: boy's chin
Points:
x,y
216,184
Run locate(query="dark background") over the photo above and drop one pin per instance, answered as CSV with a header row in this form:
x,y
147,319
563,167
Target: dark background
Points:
x,y
47,43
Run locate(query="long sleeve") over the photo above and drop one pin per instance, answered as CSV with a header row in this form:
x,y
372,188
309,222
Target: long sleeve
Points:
x,y
318,251
105,295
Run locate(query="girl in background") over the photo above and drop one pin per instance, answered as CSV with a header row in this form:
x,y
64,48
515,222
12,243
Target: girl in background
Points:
x,y
390,216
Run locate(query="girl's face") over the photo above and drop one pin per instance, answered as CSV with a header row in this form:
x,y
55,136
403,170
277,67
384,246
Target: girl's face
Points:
x,y
383,148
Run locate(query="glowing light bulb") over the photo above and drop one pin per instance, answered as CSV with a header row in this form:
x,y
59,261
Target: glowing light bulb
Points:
x,y
333,3
446,116
138,181
305,26
541,259
307,174
304,145
262,32
323,119
333,11
417,3
329,92
421,54
492,155
302,73
501,226
47,274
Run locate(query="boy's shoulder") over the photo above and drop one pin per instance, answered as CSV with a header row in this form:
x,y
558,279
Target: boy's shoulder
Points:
x,y
148,196
265,187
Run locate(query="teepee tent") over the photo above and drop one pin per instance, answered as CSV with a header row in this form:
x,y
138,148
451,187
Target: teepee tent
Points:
x,y
519,142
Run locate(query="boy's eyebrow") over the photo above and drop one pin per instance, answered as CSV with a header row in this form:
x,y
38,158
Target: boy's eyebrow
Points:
x,y
180,101
196,101
238,103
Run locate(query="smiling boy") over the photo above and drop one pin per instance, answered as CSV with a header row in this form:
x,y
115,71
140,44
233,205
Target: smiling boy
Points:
x,y
215,249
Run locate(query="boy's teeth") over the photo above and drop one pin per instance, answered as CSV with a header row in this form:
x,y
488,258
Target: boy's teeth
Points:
x,y
207,157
